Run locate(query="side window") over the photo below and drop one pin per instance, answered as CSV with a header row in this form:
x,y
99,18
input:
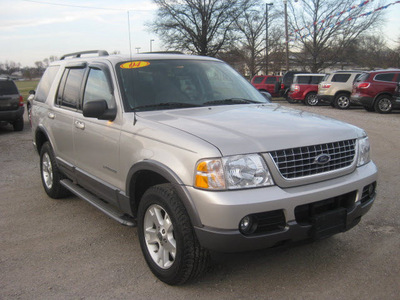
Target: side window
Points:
x,y
340,77
97,88
68,94
385,77
316,79
271,80
303,79
45,83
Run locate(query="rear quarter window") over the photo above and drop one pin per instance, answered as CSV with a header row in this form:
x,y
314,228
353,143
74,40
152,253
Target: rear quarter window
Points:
x,y
258,80
384,77
340,77
270,80
362,77
45,83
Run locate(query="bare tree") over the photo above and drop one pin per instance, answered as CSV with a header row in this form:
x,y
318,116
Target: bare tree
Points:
x,y
203,27
324,28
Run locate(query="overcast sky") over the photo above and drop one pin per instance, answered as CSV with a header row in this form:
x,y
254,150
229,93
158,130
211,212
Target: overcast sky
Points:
x,y
33,30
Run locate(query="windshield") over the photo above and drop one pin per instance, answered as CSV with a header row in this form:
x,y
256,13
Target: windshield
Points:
x,y
167,84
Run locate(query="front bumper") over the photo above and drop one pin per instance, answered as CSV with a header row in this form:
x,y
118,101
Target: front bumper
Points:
x,y
221,212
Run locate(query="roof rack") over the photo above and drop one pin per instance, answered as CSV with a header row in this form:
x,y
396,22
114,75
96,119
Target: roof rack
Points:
x,y
163,52
78,54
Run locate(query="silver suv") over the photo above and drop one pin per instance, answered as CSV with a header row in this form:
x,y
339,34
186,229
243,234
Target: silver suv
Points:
x,y
186,149
336,88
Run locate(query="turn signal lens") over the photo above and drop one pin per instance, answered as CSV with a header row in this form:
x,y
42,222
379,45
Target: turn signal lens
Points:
x,y
210,175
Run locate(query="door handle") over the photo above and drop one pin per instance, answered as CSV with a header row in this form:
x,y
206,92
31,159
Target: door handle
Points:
x,y
51,115
80,125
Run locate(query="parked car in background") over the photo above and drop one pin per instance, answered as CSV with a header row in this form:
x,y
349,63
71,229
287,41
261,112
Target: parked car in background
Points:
x,y
11,105
287,81
267,83
305,88
336,88
374,90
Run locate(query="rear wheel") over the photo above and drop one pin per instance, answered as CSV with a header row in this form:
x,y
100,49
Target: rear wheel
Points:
x,y
383,104
167,239
311,99
50,173
342,101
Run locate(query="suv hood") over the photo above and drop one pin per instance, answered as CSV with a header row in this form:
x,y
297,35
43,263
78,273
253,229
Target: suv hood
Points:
x,y
239,129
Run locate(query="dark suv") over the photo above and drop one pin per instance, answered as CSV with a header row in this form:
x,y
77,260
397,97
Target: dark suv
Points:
x,y
11,105
374,90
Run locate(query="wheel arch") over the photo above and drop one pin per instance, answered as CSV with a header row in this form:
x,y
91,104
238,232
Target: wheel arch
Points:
x,y
41,137
382,94
148,173
342,92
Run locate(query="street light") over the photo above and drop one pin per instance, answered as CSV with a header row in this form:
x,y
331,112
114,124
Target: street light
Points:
x,y
286,36
151,46
266,37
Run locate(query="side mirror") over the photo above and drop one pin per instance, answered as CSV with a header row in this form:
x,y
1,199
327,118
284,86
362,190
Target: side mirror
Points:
x,y
99,109
32,92
266,95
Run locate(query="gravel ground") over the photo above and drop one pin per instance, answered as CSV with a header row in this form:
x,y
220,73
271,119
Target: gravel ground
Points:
x,y
66,249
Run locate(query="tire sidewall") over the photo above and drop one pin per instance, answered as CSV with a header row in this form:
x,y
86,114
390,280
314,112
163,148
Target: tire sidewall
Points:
x,y
378,109
337,101
155,196
311,96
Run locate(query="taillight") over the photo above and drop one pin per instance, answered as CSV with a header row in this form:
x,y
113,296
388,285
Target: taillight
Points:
x,y
363,85
21,101
295,88
282,86
326,86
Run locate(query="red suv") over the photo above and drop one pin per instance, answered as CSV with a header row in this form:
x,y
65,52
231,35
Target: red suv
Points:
x,y
374,90
267,83
305,88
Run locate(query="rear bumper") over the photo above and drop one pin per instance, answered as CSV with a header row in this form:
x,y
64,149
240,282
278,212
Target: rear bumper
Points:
x,y
326,98
12,115
362,100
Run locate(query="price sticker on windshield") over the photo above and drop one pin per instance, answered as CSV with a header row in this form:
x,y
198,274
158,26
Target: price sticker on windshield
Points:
x,y
135,64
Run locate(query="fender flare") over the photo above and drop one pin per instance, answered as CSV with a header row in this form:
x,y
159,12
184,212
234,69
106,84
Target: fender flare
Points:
x,y
171,177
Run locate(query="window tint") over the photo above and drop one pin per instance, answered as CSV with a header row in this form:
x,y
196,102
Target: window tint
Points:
x,y
97,88
340,77
303,79
45,83
258,79
362,77
270,80
69,94
385,77
8,87
316,79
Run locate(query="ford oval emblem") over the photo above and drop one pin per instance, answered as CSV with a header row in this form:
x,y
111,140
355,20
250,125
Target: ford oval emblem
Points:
x,y
322,159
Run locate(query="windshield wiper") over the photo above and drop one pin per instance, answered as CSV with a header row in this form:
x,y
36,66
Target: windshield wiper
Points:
x,y
230,101
166,105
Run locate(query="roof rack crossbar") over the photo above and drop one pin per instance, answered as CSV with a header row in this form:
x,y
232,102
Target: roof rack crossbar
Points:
x,y
78,54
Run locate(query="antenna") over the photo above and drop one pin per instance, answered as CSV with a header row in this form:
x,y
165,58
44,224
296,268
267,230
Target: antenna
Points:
x,y
129,33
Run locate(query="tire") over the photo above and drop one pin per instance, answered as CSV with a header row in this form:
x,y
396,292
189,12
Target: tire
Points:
x,y
29,111
18,125
342,101
50,174
291,101
311,99
383,104
164,226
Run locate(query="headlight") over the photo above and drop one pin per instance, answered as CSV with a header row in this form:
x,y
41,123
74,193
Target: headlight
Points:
x,y
233,172
363,152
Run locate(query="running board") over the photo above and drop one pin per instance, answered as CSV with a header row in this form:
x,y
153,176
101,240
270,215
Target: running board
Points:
x,y
96,202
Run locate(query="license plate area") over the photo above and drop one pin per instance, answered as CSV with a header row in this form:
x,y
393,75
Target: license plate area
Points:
x,y
329,223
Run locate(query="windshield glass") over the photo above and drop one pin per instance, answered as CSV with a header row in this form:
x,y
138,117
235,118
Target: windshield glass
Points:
x,y
167,84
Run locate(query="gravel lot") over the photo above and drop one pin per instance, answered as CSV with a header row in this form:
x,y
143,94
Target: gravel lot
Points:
x,y
67,249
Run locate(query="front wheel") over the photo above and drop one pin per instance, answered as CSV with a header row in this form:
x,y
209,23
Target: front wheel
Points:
x,y
311,99
50,173
383,104
167,239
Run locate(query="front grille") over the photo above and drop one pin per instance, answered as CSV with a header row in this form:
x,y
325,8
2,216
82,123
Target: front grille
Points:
x,y
303,161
